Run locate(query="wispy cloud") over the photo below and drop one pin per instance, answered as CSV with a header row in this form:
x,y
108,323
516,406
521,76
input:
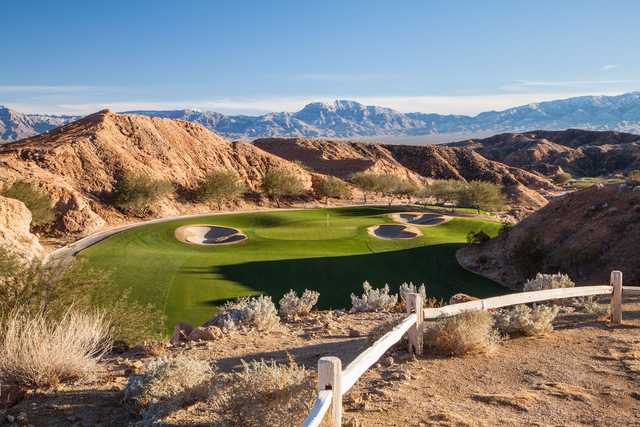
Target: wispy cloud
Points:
x,y
526,85
50,89
609,67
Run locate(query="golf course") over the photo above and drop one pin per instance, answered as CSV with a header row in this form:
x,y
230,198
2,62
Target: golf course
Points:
x,y
328,250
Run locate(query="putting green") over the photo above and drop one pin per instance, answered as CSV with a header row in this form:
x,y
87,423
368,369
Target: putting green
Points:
x,y
328,250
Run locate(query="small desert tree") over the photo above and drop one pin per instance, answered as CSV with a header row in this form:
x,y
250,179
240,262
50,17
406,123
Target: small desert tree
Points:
x,y
406,189
388,185
482,195
331,186
446,191
366,182
280,182
38,202
219,187
135,193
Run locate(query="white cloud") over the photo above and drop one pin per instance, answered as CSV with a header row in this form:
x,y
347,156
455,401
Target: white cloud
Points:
x,y
609,67
527,85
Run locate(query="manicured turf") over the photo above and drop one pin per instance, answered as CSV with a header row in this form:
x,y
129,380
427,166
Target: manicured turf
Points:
x,y
328,250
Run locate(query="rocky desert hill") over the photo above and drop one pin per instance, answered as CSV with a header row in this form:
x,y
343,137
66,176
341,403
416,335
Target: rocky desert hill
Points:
x,y
585,234
343,158
579,152
79,163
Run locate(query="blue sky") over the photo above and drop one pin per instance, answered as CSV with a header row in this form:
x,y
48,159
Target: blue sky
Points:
x,y
252,57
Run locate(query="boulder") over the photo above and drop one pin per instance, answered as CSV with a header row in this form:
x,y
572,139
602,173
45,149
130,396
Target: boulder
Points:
x,y
206,333
15,236
459,298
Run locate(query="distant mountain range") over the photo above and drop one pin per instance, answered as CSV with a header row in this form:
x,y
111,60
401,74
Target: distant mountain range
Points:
x,y
349,119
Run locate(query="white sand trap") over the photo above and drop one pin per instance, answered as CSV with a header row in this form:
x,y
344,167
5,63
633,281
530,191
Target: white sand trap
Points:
x,y
420,218
394,231
201,234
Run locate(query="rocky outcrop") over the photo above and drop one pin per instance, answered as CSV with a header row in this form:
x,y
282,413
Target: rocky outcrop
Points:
x,y
585,234
78,164
15,235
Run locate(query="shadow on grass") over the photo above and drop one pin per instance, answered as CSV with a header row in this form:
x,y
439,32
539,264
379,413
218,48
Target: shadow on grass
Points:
x,y
337,277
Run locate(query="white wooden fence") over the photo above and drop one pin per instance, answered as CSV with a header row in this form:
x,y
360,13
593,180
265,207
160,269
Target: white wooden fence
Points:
x,y
334,382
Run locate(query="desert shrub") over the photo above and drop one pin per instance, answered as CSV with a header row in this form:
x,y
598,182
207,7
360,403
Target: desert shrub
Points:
x,y
373,299
562,178
291,305
468,332
37,201
525,320
278,183
52,288
548,281
38,351
136,193
410,288
477,237
257,313
591,305
331,186
366,182
268,394
446,191
167,385
219,187
406,189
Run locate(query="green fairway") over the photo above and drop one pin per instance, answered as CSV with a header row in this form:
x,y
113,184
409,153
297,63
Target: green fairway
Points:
x,y
328,250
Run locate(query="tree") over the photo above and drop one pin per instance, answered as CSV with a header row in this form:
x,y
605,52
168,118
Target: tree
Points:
x,y
366,182
219,187
135,193
280,182
483,195
406,189
331,186
446,191
38,202
387,185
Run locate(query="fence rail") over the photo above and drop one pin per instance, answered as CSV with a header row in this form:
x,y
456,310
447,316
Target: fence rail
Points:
x,y
333,382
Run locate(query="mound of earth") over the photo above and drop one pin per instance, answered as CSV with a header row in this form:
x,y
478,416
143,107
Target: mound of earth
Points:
x,y
420,218
394,231
343,158
79,163
580,152
15,236
585,234
208,235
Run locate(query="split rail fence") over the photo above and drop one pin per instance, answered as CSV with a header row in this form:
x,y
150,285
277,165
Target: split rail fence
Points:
x,y
334,382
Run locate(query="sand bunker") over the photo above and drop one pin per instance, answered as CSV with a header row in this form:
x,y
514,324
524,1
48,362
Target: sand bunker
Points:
x,y
420,218
209,235
394,231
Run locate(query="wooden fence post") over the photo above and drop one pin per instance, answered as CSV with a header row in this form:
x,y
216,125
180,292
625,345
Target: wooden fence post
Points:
x,y
616,298
330,378
414,303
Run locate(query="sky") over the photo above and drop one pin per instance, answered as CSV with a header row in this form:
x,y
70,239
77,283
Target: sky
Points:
x,y
252,57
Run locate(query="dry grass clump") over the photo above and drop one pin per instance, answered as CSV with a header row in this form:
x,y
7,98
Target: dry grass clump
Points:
x,y
373,299
548,281
268,394
525,320
257,313
169,384
292,306
468,332
40,352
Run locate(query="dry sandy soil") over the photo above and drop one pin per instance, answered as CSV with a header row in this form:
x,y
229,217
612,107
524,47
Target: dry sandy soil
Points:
x,y
584,373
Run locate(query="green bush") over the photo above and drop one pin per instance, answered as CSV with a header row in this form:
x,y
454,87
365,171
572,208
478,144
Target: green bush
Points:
x,y
136,193
279,182
331,186
38,202
477,237
562,178
446,191
219,187
53,288
482,195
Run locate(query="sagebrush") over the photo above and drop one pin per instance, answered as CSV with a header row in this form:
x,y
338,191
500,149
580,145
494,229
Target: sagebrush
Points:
x,y
468,332
268,394
548,281
166,385
525,320
373,299
37,351
292,305
258,313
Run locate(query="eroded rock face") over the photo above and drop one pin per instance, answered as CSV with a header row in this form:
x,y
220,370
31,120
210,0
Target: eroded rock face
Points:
x,y
15,235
